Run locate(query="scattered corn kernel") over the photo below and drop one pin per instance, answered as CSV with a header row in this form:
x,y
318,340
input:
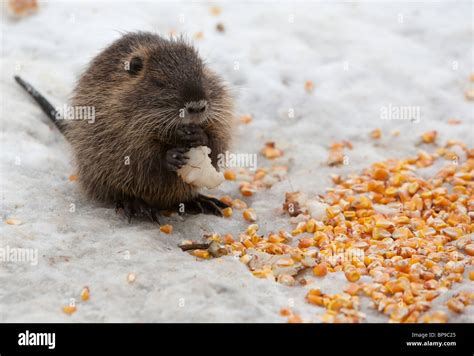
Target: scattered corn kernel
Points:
x,y
352,275
167,229
131,277
376,134
295,319
429,137
69,309
270,151
201,254
85,294
13,221
230,174
309,86
249,215
227,212
320,270
246,119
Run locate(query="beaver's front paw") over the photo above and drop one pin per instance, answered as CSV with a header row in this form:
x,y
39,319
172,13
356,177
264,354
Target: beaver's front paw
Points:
x,y
191,135
176,158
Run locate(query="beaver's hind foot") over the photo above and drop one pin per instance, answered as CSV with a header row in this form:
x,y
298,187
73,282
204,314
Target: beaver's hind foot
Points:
x,y
202,204
134,207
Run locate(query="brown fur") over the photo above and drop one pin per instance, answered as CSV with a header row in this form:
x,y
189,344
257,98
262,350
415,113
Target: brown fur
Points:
x,y
135,116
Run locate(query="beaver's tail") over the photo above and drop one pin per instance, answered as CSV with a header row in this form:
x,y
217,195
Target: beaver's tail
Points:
x,y
45,105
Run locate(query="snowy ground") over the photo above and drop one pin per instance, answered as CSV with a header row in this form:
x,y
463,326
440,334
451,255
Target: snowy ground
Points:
x,y
362,57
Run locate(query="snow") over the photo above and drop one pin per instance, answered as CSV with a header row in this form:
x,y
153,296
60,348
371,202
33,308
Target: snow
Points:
x,y
362,57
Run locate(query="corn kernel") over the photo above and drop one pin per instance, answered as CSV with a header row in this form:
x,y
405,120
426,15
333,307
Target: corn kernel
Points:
x,y
226,199
381,174
13,221
201,254
295,319
69,309
167,229
270,151
227,212
320,270
238,204
352,275
455,305
469,249
85,294
229,174
376,134
247,190
380,234
429,137
305,243
131,277
246,119
250,215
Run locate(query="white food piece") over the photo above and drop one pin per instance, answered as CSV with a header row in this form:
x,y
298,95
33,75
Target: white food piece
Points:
x,y
199,170
317,209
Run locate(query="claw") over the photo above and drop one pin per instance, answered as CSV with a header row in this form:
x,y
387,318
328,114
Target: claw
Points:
x,y
176,158
205,205
136,207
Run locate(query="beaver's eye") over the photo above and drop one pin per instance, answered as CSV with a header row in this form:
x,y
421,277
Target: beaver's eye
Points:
x,y
159,83
135,65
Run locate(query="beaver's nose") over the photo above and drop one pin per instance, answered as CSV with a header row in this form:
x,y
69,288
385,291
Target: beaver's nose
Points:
x,y
196,107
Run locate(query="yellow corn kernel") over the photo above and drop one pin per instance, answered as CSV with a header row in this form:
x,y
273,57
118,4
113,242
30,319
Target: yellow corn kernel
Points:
x,y
167,229
309,86
248,243
352,275
227,212
429,137
201,254
413,187
311,226
469,249
247,190
349,214
229,174
250,215
320,270
455,305
380,174
376,134
226,199
246,119
451,232
85,294
263,273
380,234
238,204
295,319
69,309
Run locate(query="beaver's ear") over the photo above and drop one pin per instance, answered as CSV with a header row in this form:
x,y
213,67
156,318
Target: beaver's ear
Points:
x,y
134,66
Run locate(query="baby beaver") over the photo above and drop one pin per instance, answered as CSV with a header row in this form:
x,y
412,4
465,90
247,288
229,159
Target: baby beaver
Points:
x,y
153,99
